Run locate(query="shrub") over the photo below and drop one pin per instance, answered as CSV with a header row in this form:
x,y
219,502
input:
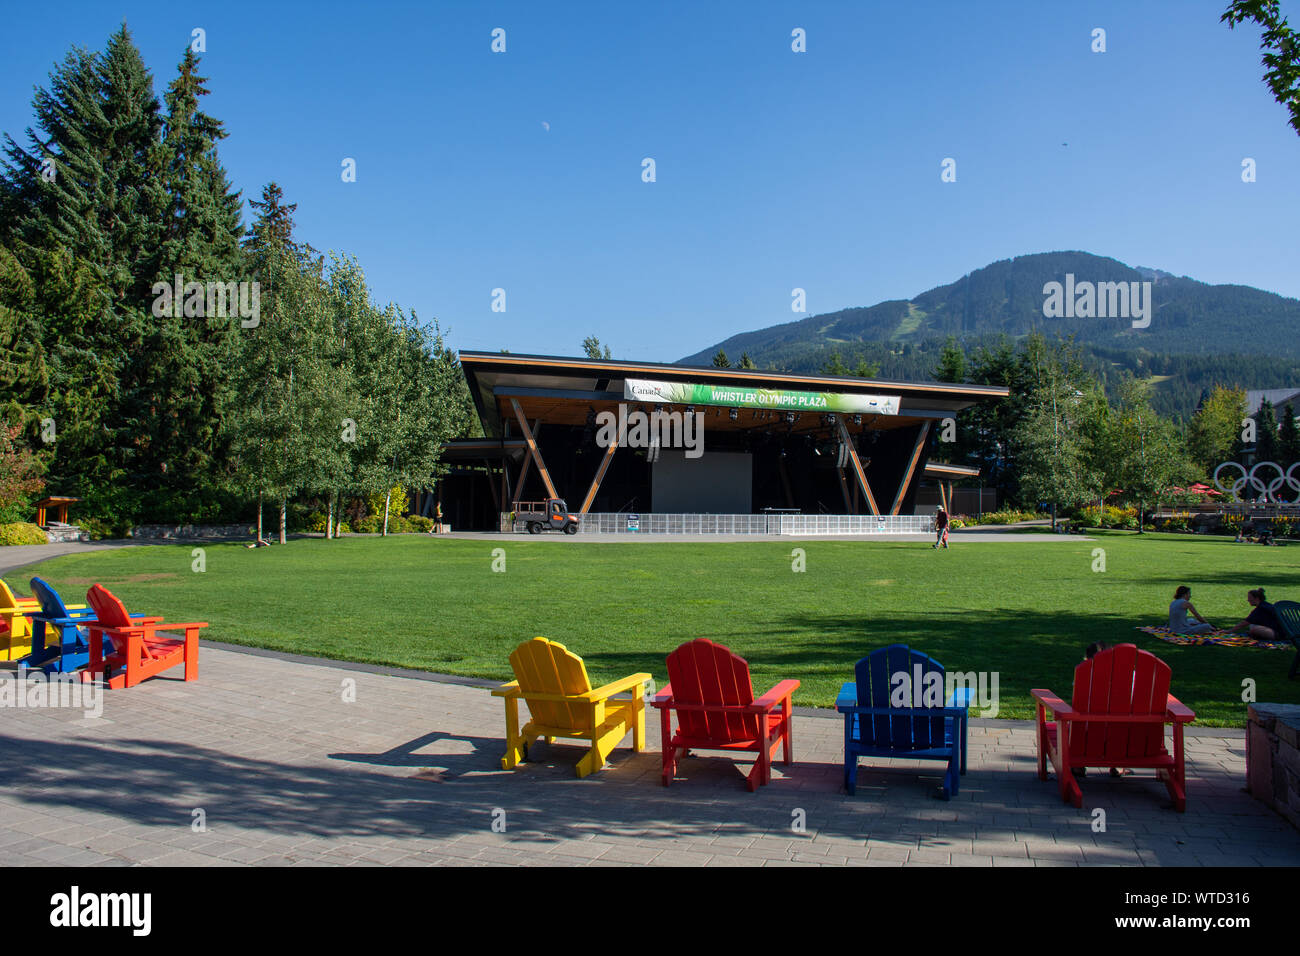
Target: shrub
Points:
x,y
371,524
314,522
420,523
97,528
396,505
21,532
1009,516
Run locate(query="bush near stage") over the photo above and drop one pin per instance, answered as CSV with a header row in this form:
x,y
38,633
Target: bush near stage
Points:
x,y
21,532
1108,517
1010,516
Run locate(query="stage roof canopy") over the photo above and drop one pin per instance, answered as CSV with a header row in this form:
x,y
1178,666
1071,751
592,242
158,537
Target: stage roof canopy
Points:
x,y
569,391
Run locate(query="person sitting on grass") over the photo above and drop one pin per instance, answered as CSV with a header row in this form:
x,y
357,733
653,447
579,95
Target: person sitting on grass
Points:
x,y
1262,623
1178,611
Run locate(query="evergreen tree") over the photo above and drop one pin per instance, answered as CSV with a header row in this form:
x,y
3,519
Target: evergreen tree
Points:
x,y
720,360
746,361
84,206
952,363
1266,444
1288,438
835,365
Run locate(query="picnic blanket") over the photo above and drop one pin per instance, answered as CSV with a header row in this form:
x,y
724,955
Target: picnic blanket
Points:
x,y
1225,638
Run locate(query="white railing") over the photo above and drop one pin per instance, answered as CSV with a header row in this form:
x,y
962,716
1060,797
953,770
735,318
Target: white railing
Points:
x,y
617,523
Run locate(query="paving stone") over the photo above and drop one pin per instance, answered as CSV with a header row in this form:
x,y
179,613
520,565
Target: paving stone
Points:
x,y
289,775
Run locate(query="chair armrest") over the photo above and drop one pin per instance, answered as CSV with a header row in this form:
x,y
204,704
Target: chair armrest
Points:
x,y
848,696
508,690
773,697
616,687
664,698
59,620
1177,711
144,625
1053,703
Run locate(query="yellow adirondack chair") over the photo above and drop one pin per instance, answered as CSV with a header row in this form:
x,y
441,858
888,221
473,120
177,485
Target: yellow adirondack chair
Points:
x,y
553,680
15,628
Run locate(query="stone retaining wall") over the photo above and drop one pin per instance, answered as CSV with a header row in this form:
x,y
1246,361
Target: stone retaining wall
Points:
x,y
193,531
1273,757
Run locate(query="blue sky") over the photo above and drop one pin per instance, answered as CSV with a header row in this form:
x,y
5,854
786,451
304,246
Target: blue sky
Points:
x,y
775,169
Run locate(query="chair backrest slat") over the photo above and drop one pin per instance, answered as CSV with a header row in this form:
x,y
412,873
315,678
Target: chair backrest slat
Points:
x,y
108,608
702,672
1288,612
1120,680
8,600
548,667
51,604
875,675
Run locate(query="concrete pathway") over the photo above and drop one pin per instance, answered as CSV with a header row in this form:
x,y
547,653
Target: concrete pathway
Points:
x,y
264,761
23,555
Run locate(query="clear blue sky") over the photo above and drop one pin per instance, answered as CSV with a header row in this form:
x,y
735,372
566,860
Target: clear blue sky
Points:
x,y
819,170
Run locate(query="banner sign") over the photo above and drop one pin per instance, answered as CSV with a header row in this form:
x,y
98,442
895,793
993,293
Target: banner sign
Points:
x,y
742,396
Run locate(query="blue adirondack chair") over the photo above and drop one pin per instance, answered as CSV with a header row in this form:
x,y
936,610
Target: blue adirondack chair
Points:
x,y
59,644
875,726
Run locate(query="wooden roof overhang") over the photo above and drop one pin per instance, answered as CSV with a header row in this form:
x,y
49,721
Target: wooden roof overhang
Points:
x,y
571,391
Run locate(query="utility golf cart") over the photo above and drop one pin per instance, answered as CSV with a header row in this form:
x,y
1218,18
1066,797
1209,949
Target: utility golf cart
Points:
x,y
549,515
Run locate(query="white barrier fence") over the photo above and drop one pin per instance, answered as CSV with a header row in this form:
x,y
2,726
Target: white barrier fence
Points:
x,y
622,523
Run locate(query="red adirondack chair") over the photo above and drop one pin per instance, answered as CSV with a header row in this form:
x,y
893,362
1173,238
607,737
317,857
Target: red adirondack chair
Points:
x,y
710,689
139,651
1116,719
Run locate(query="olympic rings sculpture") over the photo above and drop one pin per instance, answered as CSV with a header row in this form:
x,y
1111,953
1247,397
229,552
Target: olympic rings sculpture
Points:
x,y
1269,491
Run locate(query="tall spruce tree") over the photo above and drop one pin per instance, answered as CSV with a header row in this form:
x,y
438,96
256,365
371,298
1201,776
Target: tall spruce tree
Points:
x,y
84,203
1266,445
1288,438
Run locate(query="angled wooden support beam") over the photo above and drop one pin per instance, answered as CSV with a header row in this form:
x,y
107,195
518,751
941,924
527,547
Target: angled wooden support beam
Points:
x,y
491,483
921,436
844,490
534,450
857,469
600,476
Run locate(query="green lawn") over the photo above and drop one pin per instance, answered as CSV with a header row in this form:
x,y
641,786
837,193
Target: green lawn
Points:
x,y
1025,609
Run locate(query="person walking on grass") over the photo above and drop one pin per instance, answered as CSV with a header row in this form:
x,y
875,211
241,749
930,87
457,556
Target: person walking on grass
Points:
x,y
1178,611
940,528
1262,623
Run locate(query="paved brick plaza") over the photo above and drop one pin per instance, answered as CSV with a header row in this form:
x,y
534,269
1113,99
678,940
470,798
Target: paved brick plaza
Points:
x,y
287,773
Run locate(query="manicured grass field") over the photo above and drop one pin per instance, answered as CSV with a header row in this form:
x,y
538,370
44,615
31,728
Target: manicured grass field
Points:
x,y
1025,608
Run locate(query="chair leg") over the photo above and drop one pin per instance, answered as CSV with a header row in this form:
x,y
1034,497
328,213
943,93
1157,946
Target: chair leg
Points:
x,y
192,654
1295,666
1176,779
851,775
514,743
669,752
787,732
1040,738
638,723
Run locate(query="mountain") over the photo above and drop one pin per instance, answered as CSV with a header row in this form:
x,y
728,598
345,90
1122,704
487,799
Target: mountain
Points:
x,y
1198,334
